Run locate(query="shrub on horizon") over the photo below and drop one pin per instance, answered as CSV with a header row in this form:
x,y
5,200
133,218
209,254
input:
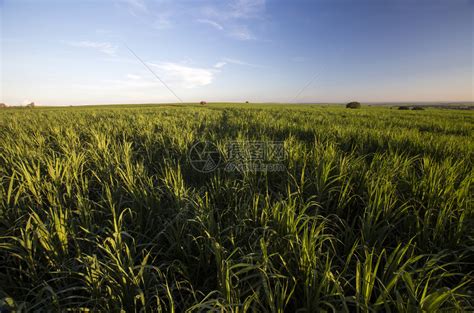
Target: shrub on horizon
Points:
x,y
353,105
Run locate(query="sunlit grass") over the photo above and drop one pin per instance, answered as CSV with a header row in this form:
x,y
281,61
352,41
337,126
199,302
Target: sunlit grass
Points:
x,y
100,210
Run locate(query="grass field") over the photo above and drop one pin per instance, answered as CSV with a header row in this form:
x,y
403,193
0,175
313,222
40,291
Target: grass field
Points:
x,y
101,209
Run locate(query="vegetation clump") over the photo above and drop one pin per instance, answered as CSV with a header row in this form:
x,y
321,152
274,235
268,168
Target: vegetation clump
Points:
x,y
353,105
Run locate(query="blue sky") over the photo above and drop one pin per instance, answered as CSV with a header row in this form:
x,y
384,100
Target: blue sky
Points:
x,y
62,52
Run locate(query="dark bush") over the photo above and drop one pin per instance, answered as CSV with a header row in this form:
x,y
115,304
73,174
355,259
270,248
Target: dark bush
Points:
x,y
353,105
203,102
404,108
418,108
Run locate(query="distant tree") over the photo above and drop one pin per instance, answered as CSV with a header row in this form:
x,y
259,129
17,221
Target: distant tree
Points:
x,y
418,108
30,105
3,105
203,102
353,105
404,108
246,102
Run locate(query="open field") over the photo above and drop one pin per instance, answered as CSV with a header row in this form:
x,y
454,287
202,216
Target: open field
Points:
x,y
102,209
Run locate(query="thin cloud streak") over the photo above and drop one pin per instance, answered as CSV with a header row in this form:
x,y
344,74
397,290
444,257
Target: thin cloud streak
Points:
x,y
104,47
227,61
248,8
220,64
240,62
211,23
140,9
242,33
233,17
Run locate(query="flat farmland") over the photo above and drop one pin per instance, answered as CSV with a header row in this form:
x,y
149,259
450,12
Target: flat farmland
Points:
x,y
236,208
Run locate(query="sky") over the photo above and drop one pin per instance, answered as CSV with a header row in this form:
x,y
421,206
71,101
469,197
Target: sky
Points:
x,y
70,52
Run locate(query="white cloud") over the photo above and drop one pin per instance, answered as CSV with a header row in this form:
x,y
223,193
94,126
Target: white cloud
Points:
x,y
104,47
226,61
144,87
183,75
212,23
231,18
220,64
242,33
248,8
239,62
157,14
235,9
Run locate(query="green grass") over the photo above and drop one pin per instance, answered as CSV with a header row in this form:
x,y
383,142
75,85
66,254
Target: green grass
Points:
x,y
101,210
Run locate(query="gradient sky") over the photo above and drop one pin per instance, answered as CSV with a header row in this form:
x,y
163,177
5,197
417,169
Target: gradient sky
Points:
x,y
74,52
